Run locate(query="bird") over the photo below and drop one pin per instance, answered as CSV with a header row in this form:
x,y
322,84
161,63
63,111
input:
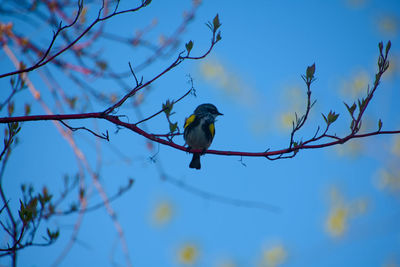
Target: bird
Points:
x,y
199,131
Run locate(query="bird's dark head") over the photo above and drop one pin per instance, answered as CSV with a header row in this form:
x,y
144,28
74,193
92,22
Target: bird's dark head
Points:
x,y
207,109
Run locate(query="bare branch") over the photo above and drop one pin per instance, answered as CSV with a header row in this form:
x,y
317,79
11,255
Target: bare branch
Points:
x,y
102,136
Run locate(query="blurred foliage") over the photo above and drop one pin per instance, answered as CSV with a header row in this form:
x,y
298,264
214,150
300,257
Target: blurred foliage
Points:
x,y
396,146
341,212
355,86
188,254
356,3
163,213
273,256
352,149
231,82
390,180
227,263
389,25
294,99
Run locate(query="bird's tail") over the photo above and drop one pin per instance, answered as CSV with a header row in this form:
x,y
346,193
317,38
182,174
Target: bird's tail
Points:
x,y
195,163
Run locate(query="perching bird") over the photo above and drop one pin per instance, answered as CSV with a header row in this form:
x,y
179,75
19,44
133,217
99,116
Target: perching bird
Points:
x,y
200,130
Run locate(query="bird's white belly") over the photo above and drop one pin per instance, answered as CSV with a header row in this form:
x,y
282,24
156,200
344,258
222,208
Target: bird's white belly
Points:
x,y
197,139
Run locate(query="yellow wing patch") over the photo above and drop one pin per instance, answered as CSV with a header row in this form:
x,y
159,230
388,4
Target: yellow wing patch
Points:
x,y
212,129
189,120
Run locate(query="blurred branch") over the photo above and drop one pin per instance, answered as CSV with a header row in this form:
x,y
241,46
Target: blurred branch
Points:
x,y
220,199
46,58
99,205
31,216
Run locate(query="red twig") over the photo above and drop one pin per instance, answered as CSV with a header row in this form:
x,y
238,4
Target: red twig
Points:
x,y
156,138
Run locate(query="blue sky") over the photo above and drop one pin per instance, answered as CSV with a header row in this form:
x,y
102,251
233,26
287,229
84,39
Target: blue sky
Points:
x,y
253,76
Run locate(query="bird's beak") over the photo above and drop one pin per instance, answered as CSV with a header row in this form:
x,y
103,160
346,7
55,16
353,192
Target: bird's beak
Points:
x,y
220,114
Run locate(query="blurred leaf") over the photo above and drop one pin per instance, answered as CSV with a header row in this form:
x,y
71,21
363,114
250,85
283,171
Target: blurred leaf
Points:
x,y
72,101
27,212
22,65
45,197
113,98
27,109
32,207
52,235
83,15
101,64
10,108
22,212
81,193
73,207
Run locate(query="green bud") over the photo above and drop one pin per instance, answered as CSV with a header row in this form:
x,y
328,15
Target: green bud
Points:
x,y
218,37
351,109
216,23
167,107
310,72
380,45
173,127
389,44
332,117
189,46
